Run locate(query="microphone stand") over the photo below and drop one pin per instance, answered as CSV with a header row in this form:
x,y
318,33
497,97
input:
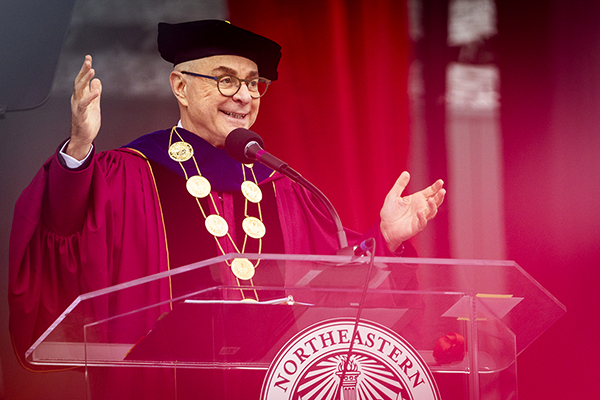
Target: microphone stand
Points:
x,y
340,233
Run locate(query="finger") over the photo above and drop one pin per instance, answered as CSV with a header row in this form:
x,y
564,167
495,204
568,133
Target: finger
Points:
x,y
400,185
85,67
438,198
95,89
83,78
87,99
422,217
84,70
431,209
97,85
432,190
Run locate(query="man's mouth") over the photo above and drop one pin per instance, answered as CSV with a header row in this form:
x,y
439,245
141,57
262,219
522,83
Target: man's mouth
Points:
x,y
234,115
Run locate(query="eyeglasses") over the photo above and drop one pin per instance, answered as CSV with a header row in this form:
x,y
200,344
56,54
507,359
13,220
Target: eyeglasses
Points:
x,y
229,85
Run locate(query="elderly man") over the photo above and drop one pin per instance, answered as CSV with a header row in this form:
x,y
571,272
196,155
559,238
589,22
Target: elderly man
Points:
x,y
173,197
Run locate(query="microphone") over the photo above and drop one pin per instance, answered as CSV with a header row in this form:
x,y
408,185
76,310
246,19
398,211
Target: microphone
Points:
x,y
364,246
246,146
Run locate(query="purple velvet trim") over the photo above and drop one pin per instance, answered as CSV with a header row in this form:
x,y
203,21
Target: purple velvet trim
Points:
x,y
223,172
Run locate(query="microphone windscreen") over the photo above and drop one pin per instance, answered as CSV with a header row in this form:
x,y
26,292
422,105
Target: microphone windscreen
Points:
x,y
236,142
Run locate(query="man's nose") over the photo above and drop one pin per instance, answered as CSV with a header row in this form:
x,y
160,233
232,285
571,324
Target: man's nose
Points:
x,y
244,93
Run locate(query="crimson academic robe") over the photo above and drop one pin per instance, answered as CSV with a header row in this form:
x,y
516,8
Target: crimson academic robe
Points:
x,y
75,231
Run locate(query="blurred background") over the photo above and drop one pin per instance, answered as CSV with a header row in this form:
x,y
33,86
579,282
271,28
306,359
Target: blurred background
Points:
x,y
499,98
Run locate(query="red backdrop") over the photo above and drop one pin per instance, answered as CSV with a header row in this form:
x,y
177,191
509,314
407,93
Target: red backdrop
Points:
x,y
551,137
338,113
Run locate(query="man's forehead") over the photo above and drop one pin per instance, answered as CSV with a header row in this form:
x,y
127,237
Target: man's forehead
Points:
x,y
229,64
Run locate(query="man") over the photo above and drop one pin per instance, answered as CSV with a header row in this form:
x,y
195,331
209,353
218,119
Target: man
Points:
x,y
173,197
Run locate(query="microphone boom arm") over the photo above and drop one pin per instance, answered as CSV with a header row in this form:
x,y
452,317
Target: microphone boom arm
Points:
x,y
295,176
246,146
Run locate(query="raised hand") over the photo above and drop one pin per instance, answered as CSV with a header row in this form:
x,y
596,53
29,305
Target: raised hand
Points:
x,y
404,217
85,110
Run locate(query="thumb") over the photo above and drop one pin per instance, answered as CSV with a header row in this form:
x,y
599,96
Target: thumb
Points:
x,y
400,185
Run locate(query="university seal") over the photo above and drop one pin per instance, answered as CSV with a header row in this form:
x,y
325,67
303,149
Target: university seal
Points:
x,y
318,363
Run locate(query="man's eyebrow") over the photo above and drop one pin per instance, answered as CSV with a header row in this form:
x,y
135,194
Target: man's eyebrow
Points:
x,y
230,71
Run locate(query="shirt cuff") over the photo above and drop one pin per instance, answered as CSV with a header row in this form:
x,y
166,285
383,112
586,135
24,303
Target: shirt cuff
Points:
x,y
70,162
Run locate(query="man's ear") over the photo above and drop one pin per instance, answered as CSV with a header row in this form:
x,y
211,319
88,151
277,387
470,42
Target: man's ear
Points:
x,y
178,86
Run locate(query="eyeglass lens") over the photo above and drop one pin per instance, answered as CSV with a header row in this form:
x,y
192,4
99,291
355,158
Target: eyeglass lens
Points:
x,y
229,85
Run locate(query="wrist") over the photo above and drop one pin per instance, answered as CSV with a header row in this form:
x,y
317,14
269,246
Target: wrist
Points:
x,y
393,243
79,150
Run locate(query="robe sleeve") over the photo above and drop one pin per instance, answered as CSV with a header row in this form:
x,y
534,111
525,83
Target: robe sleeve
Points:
x,y
75,231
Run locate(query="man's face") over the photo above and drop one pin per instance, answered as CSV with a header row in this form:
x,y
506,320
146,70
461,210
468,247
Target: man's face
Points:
x,y
205,111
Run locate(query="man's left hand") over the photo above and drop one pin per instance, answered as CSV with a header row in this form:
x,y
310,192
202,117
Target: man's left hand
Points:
x,y
404,217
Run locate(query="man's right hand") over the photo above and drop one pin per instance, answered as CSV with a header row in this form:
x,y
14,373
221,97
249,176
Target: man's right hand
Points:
x,y
85,111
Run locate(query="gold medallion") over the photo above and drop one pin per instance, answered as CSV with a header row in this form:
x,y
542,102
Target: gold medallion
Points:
x,y
249,300
216,225
198,186
254,227
251,191
181,151
242,268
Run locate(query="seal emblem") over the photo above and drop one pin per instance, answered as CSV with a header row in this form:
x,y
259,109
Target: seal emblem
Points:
x,y
317,364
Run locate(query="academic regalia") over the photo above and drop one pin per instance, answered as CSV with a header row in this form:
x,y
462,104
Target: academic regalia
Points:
x,y
111,220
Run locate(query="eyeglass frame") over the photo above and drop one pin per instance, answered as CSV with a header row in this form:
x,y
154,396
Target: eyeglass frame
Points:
x,y
218,79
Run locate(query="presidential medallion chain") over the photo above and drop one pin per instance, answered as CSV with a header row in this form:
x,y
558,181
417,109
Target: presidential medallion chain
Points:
x,y
199,187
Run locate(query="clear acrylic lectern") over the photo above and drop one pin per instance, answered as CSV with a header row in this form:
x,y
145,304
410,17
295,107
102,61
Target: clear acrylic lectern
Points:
x,y
198,316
